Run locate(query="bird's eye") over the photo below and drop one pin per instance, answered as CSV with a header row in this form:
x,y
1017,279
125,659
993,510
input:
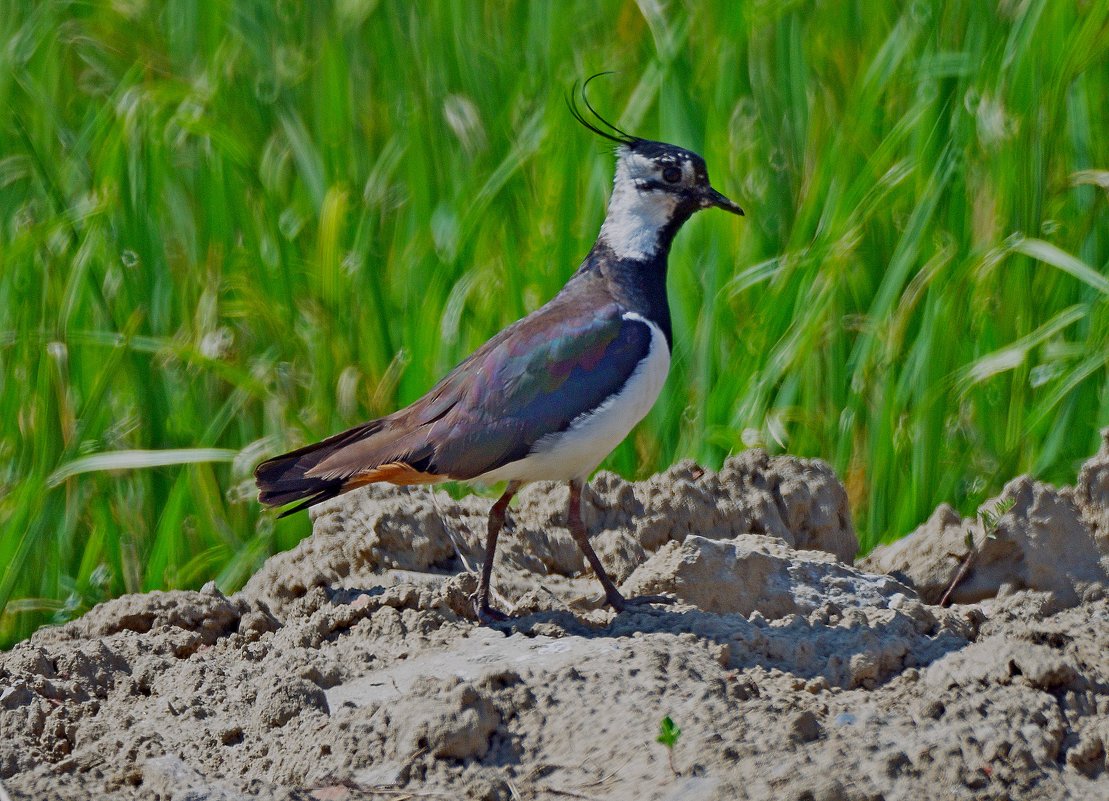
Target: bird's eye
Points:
x,y
672,175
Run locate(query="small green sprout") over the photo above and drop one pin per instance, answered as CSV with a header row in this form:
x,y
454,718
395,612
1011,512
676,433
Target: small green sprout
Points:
x,y
991,516
668,734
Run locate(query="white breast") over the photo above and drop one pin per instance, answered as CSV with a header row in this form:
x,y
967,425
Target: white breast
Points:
x,y
576,452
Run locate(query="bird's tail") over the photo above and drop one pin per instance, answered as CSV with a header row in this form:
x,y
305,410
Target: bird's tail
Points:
x,y
286,478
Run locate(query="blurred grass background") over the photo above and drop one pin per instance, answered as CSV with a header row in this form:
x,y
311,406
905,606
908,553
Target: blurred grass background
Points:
x,y
227,228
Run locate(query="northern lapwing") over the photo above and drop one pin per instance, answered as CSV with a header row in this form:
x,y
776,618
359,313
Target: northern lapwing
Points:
x,y
552,394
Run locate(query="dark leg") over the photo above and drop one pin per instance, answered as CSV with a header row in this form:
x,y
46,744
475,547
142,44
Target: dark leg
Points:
x,y
486,613
581,537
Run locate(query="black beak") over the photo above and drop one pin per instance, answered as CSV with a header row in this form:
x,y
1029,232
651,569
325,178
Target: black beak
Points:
x,y
714,198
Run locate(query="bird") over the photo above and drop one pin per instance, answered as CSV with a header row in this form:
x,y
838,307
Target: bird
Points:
x,y
551,395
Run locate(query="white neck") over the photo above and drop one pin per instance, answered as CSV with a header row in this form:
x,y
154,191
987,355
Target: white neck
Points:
x,y
635,217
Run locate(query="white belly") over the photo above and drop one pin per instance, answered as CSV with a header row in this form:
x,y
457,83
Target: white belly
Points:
x,y
576,452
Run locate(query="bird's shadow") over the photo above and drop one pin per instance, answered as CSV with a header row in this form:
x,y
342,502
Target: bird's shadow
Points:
x,y
844,654
847,651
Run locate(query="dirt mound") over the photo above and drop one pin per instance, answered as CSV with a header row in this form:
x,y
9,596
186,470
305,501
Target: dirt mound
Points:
x,y
1046,539
351,668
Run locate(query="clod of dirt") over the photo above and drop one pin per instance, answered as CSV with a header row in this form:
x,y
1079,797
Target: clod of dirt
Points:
x,y
1049,540
755,572
211,615
282,701
460,728
790,673
170,778
1091,493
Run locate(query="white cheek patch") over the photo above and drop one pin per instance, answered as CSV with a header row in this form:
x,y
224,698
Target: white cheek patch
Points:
x,y
636,216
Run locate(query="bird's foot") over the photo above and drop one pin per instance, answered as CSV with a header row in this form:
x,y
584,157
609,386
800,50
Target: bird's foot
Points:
x,y
620,603
489,616
486,614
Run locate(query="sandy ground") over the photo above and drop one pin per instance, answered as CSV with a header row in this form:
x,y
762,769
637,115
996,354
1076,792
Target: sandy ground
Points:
x,y
351,667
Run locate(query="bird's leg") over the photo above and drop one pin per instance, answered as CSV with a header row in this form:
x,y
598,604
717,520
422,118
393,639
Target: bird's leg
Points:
x,y
581,537
486,613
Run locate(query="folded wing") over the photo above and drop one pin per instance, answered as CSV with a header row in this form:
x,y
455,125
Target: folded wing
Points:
x,y
531,380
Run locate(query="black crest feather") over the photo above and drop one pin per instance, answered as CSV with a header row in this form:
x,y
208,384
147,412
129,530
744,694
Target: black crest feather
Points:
x,y
614,134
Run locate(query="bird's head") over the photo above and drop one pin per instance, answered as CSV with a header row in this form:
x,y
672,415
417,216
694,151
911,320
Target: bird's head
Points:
x,y
657,187
673,174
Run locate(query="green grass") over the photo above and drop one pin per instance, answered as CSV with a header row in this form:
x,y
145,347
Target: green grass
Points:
x,y
242,226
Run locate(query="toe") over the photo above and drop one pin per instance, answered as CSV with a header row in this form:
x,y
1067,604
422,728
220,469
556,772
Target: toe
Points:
x,y
620,603
489,615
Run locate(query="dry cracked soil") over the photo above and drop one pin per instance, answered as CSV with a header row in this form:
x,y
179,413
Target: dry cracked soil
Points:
x,y
351,667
